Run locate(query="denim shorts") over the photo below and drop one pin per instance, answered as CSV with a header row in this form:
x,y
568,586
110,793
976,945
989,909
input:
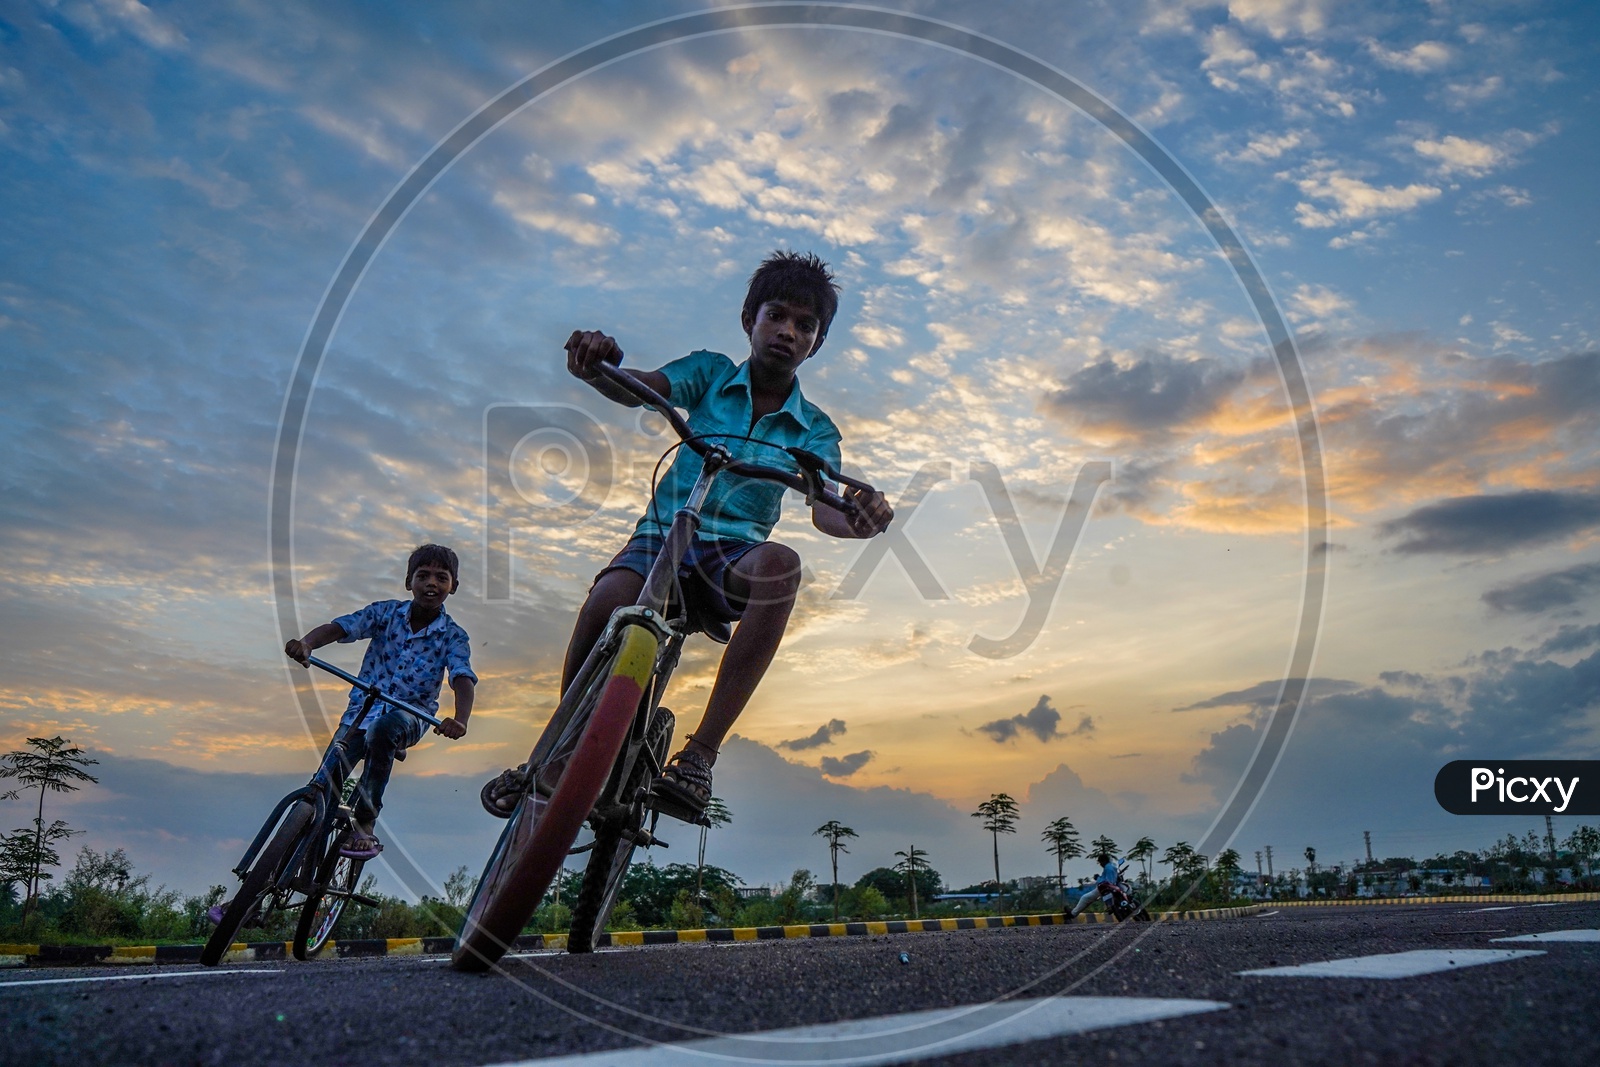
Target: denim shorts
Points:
x,y
700,575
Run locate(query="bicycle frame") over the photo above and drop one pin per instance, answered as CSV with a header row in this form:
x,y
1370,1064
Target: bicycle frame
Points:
x,y
327,800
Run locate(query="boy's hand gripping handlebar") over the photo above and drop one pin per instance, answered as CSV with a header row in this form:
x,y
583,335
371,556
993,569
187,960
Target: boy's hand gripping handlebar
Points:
x,y
368,687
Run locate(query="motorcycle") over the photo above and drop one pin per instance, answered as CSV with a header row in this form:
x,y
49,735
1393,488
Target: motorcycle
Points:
x,y
1124,905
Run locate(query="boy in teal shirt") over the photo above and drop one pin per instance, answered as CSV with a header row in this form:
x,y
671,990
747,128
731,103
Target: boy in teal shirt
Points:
x,y
732,573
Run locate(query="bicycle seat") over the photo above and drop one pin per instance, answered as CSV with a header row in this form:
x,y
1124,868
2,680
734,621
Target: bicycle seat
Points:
x,y
719,631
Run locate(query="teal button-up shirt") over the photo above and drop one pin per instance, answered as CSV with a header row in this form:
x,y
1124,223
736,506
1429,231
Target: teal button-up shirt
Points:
x,y
716,393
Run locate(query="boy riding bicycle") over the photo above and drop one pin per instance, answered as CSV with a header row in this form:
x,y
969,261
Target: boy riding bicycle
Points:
x,y
413,644
732,573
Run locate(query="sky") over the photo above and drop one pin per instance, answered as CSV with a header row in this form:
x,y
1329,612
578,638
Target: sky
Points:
x,y
1025,302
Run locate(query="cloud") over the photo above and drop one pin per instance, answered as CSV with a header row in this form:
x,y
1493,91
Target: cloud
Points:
x,y
1281,18
1371,753
1041,721
1318,302
1419,420
1418,59
1264,696
1265,146
1489,525
844,766
1570,638
1542,592
1153,395
1351,199
824,735
1452,155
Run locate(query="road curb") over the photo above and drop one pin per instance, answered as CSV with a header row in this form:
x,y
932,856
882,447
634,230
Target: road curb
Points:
x,y
1475,898
82,955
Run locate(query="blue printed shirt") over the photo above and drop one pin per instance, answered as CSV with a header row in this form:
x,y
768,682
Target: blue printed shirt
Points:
x,y
408,665
715,392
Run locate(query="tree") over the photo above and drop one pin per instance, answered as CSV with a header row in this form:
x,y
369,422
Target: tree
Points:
x,y
1227,868
1583,843
835,831
1061,841
1103,844
459,886
1143,850
716,814
913,862
891,882
999,814
53,766
1311,862
1181,858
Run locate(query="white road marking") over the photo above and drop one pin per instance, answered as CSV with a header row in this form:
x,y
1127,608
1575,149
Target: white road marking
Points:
x,y
1264,914
1397,964
134,977
901,1038
1503,907
1556,935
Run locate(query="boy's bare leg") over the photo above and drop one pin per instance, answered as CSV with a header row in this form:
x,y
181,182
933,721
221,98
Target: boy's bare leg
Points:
x,y
614,590
766,578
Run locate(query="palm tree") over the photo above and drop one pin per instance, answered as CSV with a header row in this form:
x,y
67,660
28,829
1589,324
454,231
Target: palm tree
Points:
x,y
1103,844
1143,850
999,814
53,766
913,861
716,814
1062,842
835,831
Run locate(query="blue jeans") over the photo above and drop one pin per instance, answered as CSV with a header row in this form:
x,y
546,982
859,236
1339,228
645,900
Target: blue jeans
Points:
x,y
379,745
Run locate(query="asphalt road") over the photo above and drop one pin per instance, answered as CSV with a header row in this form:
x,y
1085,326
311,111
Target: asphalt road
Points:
x,y
1542,1008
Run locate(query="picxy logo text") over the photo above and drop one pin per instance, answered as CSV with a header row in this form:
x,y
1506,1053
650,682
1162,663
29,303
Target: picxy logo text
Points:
x,y
1519,787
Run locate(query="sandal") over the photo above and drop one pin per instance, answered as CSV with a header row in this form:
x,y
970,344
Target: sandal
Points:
x,y
360,846
500,794
684,788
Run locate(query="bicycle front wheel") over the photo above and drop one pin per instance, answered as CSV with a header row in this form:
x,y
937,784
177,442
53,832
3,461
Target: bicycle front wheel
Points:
x,y
613,846
258,882
321,911
537,837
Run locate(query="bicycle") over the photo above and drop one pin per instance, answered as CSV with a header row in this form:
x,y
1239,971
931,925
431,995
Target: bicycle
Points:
x,y
607,741
294,861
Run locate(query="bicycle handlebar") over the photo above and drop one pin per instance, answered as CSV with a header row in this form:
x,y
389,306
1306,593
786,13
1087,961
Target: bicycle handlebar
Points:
x,y
368,687
807,461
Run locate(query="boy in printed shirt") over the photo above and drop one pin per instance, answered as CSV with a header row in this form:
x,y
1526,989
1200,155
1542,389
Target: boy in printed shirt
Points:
x,y
731,573
413,644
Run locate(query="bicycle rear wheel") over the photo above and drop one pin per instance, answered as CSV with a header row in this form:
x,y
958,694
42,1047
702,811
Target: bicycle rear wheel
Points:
x,y
320,913
613,849
258,882
534,844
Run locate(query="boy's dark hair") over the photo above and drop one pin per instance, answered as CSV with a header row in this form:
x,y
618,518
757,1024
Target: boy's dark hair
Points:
x,y
796,276
434,556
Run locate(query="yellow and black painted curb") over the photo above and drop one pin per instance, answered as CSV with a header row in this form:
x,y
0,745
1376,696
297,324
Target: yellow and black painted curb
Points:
x,y
1472,898
421,946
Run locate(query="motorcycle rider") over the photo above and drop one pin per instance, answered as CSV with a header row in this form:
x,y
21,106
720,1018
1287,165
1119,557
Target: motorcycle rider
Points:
x,y
1109,885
